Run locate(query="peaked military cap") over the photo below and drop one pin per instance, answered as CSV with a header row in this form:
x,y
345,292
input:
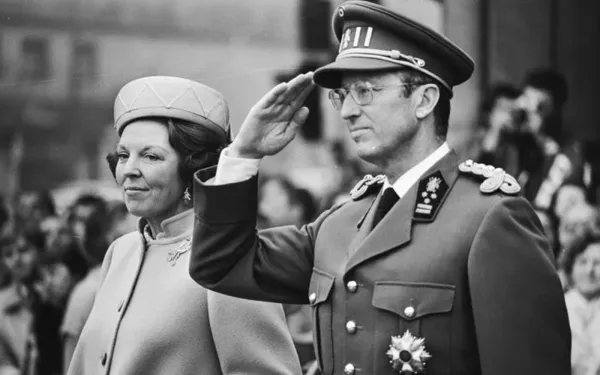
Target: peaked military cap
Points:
x,y
172,97
373,37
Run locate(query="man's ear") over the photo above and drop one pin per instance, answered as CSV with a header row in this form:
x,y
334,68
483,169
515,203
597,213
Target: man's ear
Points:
x,y
426,96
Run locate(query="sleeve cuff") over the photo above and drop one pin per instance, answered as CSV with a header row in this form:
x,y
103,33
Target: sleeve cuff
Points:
x,y
231,169
229,203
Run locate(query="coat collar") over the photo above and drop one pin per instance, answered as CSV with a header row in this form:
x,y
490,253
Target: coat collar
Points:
x,y
395,228
172,228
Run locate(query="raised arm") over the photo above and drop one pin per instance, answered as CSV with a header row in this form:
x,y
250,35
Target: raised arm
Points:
x,y
227,254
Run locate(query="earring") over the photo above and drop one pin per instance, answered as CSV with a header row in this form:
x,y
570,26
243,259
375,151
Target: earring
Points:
x,y
187,197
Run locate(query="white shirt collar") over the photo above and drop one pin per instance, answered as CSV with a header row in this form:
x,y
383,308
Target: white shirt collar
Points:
x,y
404,182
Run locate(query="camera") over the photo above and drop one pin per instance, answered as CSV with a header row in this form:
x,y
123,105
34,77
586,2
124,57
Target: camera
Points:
x,y
519,118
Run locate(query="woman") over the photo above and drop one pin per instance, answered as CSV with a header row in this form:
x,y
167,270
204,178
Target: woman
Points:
x,y
582,265
149,317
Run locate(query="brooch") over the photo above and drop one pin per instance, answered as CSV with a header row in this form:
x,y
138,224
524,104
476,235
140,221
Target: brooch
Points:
x,y
183,248
496,178
407,354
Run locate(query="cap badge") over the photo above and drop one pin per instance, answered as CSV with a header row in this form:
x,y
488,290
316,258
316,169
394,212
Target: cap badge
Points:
x,y
407,354
395,54
432,190
495,178
364,185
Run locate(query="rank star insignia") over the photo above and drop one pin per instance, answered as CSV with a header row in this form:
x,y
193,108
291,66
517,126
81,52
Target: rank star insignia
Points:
x,y
433,184
407,354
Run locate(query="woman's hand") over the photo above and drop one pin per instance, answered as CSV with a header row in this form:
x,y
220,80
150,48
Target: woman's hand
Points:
x,y
272,123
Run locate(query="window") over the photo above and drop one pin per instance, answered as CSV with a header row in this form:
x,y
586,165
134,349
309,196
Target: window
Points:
x,y
35,64
85,61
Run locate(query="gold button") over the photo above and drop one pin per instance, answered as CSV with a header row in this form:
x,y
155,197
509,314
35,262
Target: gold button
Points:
x,y
409,311
103,359
352,286
349,369
312,298
351,326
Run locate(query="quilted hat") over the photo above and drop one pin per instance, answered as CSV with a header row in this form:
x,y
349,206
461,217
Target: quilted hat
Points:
x,y
172,97
373,38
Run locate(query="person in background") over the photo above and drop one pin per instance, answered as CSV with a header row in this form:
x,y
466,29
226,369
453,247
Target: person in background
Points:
x,y
283,203
22,304
34,207
575,222
536,148
149,317
495,126
550,225
567,197
59,273
99,231
5,229
85,206
120,221
582,266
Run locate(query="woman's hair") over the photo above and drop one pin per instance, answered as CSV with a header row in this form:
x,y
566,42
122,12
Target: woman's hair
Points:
x,y
578,247
198,147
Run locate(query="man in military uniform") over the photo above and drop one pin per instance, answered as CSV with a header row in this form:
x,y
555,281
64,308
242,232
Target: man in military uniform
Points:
x,y
438,267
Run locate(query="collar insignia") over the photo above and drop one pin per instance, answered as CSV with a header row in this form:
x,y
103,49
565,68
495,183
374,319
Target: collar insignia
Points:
x,y
495,178
431,193
366,185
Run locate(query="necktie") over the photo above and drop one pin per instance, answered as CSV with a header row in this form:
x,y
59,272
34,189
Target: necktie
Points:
x,y
388,199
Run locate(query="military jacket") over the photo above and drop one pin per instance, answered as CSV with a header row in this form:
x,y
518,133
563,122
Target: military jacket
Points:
x,y
459,277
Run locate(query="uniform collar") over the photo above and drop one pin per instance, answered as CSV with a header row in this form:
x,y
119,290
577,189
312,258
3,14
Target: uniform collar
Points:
x,y
408,179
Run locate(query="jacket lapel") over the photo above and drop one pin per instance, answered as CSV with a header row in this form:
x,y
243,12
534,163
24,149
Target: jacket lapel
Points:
x,y
395,228
364,226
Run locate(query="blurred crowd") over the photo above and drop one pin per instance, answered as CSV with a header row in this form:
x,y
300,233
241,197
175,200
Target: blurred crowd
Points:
x,y
48,275
51,260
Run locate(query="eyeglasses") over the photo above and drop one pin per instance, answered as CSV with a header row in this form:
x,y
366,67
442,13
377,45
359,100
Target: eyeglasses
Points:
x,y
361,92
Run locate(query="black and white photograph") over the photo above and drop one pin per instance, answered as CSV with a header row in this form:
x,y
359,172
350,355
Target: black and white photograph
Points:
x,y
299,187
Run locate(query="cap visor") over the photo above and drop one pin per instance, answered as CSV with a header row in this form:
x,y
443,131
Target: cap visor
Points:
x,y
330,76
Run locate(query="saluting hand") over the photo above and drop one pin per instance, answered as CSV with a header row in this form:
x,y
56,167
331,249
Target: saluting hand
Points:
x,y
272,123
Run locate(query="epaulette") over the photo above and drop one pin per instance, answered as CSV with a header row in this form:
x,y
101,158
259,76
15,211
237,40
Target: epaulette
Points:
x,y
367,185
495,178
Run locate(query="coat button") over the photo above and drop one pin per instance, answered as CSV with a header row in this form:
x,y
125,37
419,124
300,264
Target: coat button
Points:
x,y
349,369
351,326
312,298
352,286
120,307
103,359
409,311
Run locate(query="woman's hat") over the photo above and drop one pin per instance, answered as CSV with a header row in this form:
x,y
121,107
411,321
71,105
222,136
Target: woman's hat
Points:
x,y
172,97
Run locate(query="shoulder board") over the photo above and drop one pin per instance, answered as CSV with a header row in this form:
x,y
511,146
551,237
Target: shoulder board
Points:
x,y
495,178
367,185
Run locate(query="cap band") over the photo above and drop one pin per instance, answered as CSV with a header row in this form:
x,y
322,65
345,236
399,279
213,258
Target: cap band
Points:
x,y
392,56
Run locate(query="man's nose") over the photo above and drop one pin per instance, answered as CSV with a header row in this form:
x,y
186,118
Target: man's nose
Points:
x,y
349,108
